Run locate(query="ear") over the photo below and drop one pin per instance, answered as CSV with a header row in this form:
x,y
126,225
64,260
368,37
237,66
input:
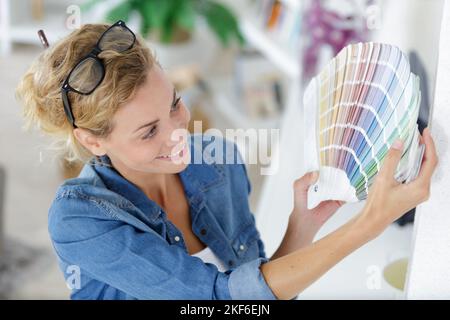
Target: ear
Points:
x,y
91,142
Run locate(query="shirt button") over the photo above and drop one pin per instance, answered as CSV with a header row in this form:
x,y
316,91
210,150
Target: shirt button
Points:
x,y
241,247
230,263
177,238
203,232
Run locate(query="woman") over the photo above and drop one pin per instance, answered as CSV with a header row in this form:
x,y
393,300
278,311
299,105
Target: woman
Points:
x,y
141,221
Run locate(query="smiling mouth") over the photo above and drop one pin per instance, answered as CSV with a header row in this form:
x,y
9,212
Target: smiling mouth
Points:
x,y
175,155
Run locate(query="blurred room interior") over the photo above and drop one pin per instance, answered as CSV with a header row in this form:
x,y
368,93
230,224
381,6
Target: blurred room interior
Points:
x,y
255,82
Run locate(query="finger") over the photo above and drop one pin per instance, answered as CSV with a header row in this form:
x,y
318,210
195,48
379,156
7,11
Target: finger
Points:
x,y
329,204
430,159
308,179
391,161
340,203
326,209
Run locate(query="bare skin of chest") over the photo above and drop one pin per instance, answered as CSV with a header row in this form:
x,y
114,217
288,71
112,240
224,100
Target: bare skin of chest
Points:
x,y
177,210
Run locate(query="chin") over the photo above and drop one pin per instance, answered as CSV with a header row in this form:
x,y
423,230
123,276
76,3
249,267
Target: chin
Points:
x,y
177,168
176,165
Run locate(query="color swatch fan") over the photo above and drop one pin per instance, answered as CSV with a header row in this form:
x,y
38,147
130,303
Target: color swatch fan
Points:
x,y
361,102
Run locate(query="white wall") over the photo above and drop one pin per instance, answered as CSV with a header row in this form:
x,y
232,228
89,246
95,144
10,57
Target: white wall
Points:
x,y
409,24
413,25
429,270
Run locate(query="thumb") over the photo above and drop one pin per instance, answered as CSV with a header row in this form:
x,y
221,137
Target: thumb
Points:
x,y
391,160
303,183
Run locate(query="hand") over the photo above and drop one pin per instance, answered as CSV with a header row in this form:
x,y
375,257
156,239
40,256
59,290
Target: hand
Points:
x,y
388,199
308,222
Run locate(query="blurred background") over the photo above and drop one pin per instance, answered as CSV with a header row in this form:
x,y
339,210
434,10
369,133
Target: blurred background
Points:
x,y
237,64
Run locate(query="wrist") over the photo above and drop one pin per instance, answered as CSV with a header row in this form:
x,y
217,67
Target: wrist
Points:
x,y
303,233
365,222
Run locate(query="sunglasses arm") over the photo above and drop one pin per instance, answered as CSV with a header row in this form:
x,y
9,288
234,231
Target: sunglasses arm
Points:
x,y
67,107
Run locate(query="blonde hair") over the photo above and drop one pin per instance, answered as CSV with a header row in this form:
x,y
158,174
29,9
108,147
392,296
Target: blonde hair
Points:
x,y
40,89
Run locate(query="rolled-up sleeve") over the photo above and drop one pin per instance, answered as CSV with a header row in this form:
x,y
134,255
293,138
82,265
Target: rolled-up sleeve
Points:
x,y
141,263
247,282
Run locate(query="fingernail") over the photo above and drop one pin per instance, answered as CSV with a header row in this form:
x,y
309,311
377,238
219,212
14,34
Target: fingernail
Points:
x,y
398,144
314,176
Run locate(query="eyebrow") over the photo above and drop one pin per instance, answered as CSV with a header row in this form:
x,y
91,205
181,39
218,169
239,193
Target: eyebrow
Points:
x,y
155,121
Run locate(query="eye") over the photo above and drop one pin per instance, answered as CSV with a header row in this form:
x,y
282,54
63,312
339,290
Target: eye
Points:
x,y
150,133
176,104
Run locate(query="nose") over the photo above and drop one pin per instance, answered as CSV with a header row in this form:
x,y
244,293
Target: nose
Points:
x,y
176,129
176,133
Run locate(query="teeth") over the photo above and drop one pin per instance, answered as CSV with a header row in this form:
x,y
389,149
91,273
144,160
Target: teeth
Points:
x,y
173,155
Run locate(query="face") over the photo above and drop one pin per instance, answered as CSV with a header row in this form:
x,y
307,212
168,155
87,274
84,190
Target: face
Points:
x,y
150,132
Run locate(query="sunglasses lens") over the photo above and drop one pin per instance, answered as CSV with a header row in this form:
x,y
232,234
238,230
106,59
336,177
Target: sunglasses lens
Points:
x,y
118,38
86,75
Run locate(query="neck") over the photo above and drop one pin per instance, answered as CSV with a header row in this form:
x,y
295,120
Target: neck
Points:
x,y
154,185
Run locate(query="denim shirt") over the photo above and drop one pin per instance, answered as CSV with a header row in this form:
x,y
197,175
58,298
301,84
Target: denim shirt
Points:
x,y
113,242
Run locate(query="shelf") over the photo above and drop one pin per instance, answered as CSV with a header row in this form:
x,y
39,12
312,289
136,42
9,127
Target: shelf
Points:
x,y
231,111
26,32
285,60
292,4
227,104
20,27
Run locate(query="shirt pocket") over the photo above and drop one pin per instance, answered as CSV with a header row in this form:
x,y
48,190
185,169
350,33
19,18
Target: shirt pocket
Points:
x,y
245,243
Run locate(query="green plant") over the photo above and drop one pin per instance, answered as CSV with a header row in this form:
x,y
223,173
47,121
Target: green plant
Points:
x,y
169,17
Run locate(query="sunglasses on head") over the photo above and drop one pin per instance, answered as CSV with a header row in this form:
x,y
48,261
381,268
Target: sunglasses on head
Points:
x,y
89,72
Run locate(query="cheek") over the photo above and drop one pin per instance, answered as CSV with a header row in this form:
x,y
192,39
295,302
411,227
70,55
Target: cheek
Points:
x,y
148,151
185,114
188,115
139,152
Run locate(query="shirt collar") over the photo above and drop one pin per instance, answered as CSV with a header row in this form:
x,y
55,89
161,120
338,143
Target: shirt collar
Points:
x,y
196,180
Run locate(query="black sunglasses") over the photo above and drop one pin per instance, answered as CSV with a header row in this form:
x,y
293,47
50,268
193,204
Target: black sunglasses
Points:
x,y
89,72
